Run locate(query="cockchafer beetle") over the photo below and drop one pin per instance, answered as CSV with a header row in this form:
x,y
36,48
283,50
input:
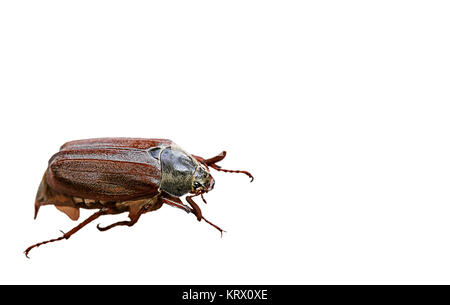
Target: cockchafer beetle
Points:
x,y
117,175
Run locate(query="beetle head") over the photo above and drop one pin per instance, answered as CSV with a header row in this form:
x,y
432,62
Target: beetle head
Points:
x,y
202,181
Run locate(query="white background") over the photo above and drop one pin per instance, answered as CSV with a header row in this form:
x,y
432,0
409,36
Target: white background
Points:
x,y
340,109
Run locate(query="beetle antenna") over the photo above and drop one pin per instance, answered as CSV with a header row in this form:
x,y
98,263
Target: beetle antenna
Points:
x,y
218,168
203,198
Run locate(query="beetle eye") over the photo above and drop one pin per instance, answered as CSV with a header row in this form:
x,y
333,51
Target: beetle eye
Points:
x,y
197,185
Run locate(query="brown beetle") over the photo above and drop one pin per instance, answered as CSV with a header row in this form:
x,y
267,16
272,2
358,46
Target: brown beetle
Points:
x,y
117,175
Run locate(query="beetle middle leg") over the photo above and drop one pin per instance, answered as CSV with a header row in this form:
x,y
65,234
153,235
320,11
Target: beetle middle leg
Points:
x,y
136,209
133,219
119,223
175,202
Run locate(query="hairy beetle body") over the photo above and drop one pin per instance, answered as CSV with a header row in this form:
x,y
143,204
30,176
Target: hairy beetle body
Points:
x,y
117,175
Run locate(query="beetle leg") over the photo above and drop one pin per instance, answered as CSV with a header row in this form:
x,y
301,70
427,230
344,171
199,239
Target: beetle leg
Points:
x,y
215,226
198,212
133,219
119,223
176,202
196,209
71,232
136,209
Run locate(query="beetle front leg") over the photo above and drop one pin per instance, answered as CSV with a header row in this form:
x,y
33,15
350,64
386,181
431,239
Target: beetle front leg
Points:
x,y
196,209
198,212
177,203
215,226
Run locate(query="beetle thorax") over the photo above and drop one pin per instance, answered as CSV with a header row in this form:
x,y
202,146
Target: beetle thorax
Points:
x,y
177,171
